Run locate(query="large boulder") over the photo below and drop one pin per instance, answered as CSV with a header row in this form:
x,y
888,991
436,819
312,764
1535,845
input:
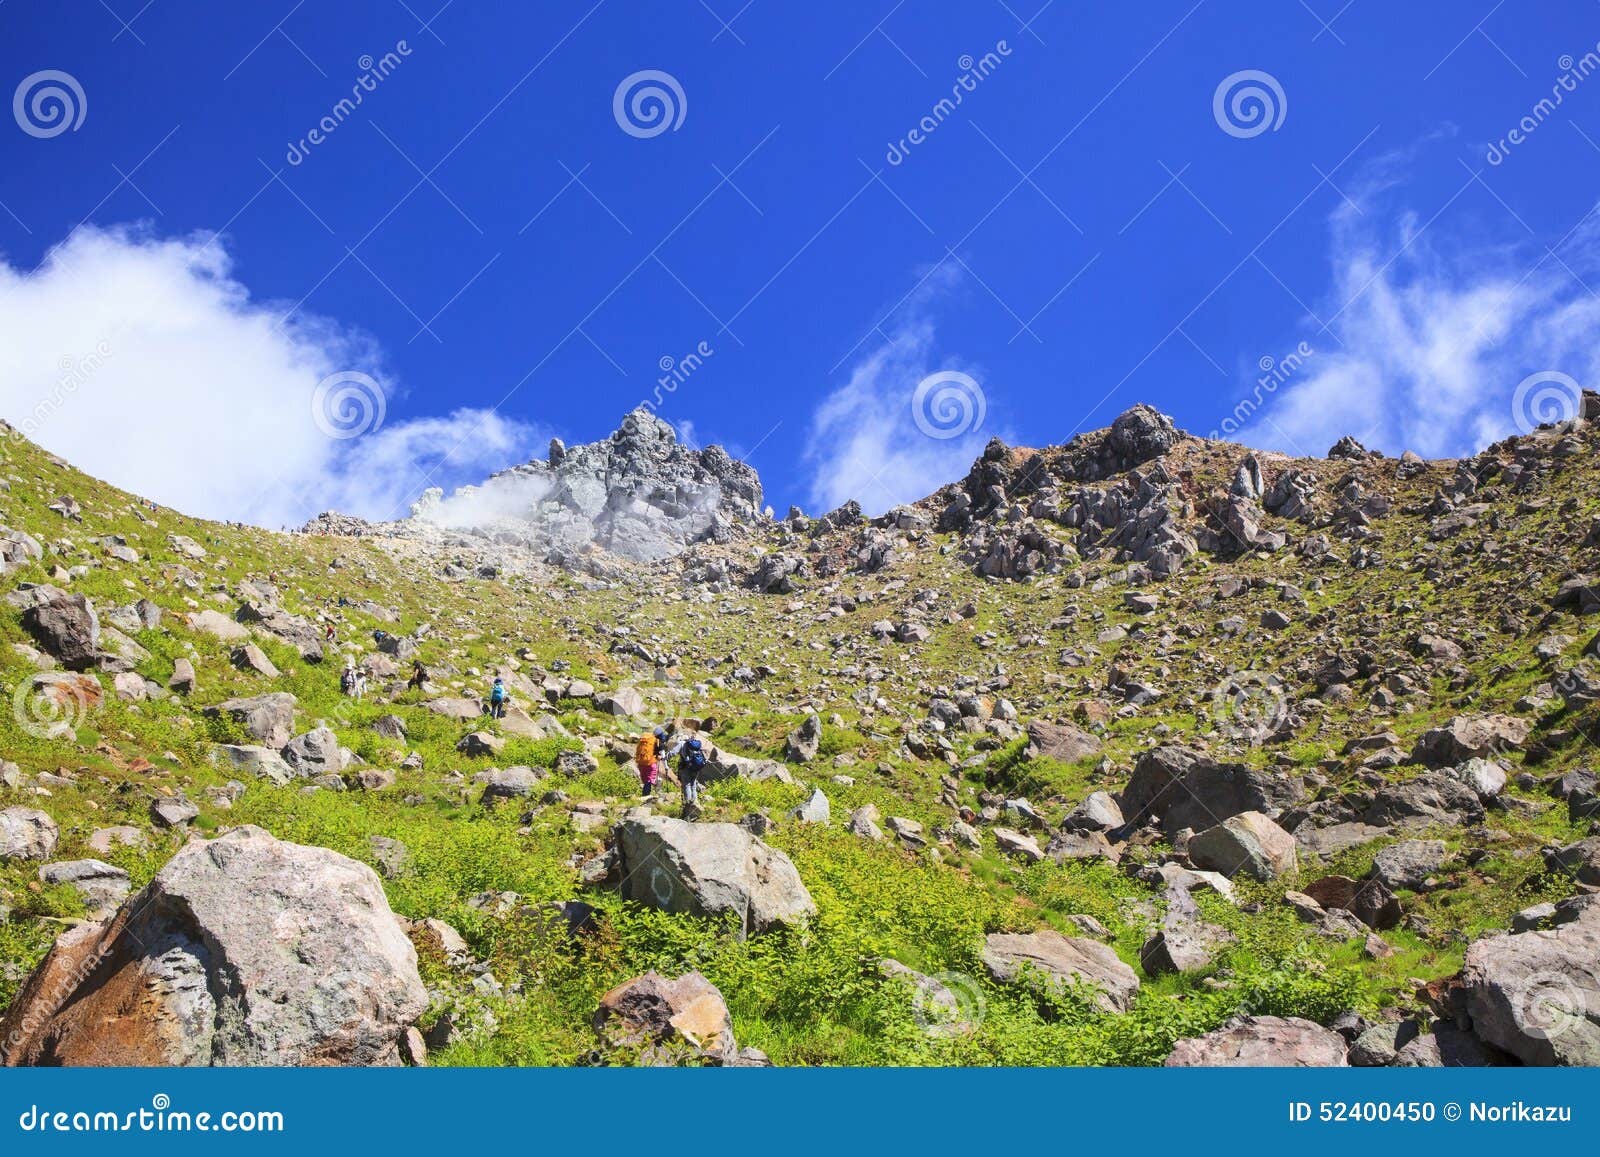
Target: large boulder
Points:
x,y
1470,737
1409,863
101,885
243,950
1062,961
1537,994
253,759
314,753
65,625
709,870
1262,1042
1186,788
1060,741
804,741
268,719
1248,842
659,1020
27,834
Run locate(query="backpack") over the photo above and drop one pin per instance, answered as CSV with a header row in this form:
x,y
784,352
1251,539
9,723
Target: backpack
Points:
x,y
347,682
498,693
693,759
646,751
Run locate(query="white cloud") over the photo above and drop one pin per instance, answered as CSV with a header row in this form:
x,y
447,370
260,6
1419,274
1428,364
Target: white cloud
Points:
x,y
143,361
1433,337
866,441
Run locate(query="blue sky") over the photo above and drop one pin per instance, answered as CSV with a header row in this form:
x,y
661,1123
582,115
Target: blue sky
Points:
x,y
487,240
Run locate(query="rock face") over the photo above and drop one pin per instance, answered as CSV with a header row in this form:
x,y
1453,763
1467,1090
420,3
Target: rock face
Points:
x,y
662,1021
640,494
1060,741
1262,1042
709,870
1537,994
242,951
1063,960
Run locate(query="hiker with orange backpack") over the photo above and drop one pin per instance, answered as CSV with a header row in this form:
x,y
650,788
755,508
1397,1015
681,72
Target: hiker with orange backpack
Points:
x,y
646,755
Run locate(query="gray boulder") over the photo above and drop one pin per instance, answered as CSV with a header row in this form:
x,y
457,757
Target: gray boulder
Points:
x,y
1468,737
1186,788
261,762
1062,961
1262,1042
709,870
65,625
1408,863
804,740
1248,842
314,753
268,719
1536,995
243,950
27,834
101,885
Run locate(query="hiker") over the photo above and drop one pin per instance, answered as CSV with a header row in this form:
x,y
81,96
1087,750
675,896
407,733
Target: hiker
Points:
x,y
691,756
419,676
348,681
497,699
646,757
328,634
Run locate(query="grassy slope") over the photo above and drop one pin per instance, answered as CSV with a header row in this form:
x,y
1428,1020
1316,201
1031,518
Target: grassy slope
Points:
x,y
811,995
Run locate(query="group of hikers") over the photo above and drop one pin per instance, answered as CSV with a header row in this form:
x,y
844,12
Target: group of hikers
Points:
x,y
652,756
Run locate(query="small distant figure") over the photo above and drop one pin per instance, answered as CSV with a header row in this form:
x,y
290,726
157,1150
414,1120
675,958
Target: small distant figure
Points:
x,y
419,676
497,699
353,682
328,633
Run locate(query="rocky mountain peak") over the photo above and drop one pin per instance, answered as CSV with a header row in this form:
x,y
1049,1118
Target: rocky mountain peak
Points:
x,y
640,494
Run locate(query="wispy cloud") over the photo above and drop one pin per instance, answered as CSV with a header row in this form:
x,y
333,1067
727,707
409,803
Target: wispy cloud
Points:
x,y
1435,332
876,439
144,361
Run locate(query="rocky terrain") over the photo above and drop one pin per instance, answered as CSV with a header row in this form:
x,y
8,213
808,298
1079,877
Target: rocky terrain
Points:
x,y
1142,749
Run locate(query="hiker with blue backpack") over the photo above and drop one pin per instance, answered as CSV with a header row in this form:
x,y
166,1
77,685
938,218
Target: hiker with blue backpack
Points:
x,y
497,699
691,756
